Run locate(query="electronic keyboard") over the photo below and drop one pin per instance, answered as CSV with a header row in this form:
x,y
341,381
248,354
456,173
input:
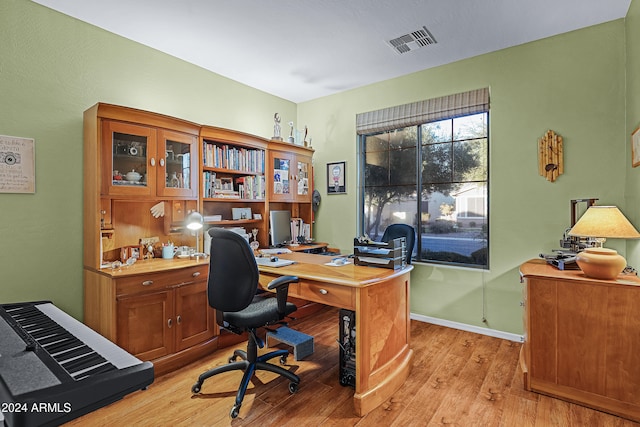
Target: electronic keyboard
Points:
x,y
53,368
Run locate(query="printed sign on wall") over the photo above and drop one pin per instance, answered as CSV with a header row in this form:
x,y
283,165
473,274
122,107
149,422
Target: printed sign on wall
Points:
x,y
17,165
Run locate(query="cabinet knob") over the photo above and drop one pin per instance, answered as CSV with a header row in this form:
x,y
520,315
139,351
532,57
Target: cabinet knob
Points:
x,y
152,161
323,291
161,162
196,274
179,319
169,323
147,283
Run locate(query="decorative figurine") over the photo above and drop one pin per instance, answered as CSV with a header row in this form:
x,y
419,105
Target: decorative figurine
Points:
x,y
255,244
291,138
276,128
306,132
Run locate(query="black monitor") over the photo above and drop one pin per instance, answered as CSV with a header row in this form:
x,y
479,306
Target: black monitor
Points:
x,y
280,228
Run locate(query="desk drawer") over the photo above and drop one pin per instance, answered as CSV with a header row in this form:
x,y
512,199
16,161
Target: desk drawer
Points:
x,y
163,279
329,294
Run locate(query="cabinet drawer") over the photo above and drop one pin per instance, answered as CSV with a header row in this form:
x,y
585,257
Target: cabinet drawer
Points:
x,y
160,280
324,293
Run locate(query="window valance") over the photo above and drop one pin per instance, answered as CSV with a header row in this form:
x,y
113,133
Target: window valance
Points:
x,y
430,110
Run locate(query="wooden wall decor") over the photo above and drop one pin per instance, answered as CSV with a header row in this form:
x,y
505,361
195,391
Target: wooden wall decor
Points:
x,y
550,151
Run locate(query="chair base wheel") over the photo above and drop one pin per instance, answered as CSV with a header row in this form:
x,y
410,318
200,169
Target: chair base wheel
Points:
x,y
196,388
293,387
235,410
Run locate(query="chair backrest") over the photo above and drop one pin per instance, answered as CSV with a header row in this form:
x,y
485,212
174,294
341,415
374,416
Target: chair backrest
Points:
x,y
233,272
401,230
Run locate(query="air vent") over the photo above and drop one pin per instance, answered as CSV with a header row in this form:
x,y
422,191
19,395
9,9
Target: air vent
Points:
x,y
412,41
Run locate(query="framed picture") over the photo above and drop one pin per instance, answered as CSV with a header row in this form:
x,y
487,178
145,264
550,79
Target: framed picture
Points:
x,y
336,178
241,213
127,252
17,164
635,147
226,183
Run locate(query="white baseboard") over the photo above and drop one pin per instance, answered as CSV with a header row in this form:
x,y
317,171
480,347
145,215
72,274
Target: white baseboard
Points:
x,y
469,328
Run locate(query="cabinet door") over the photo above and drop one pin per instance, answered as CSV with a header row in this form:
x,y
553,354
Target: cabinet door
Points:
x,y
145,324
194,318
542,332
128,159
303,179
280,176
177,170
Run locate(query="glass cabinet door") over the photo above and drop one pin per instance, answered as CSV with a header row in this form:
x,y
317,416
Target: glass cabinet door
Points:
x,y
177,171
281,177
303,179
128,152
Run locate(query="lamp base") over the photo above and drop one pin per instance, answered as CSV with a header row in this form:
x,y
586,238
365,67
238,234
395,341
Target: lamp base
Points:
x,y
601,263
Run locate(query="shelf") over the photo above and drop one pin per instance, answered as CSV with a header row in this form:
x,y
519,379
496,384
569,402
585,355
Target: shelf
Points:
x,y
226,222
230,199
230,171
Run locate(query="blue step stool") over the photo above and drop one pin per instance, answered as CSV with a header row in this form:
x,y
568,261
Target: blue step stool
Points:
x,y
302,343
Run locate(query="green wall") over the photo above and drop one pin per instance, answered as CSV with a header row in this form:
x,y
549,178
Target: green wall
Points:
x,y
573,84
632,22
53,67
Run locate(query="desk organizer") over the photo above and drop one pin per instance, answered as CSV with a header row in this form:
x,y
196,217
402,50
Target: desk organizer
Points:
x,y
302,343
380,254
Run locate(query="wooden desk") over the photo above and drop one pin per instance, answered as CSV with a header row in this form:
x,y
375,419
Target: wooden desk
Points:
x,y
581,338
380,299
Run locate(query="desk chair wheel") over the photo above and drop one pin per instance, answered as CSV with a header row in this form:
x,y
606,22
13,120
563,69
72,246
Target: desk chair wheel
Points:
x,y
235,410
196,388
293,387
283,359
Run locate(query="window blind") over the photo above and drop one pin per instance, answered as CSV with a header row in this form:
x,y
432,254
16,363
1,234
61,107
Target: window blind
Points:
x,y
430,110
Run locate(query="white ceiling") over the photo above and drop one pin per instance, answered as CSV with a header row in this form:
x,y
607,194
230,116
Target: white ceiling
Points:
x,y
304,49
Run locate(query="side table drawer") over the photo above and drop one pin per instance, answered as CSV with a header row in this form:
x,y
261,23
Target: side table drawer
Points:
x,y
155,281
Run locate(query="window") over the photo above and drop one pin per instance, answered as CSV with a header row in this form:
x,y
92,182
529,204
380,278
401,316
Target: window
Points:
x,y
434,176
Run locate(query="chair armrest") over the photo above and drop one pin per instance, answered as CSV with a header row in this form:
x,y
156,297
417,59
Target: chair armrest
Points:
x,y
281,281
281,285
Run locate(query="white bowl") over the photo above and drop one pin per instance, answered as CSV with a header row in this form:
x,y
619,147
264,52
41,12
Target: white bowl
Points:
x,y
133,176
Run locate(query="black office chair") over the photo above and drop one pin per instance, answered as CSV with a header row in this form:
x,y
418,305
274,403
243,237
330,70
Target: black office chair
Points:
x,y
231,290
401,230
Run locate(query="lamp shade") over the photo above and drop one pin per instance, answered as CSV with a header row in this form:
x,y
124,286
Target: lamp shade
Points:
x,y
194,221
604,221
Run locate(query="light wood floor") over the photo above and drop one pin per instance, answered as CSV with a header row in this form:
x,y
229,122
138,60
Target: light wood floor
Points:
x,y
458,378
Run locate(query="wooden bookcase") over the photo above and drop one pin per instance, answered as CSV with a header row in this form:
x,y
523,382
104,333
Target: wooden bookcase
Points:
x,y
136,162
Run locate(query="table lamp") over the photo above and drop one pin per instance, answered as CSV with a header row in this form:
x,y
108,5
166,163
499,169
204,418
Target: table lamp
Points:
x,y
602,222
195,222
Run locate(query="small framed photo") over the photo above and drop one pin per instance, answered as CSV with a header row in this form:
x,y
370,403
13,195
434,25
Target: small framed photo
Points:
x,y
127,252
226,184
635,147
241,213
337,178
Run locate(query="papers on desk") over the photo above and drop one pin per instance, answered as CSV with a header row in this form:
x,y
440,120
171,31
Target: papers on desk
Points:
x,y
338,262
275,251
267,262
334,264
